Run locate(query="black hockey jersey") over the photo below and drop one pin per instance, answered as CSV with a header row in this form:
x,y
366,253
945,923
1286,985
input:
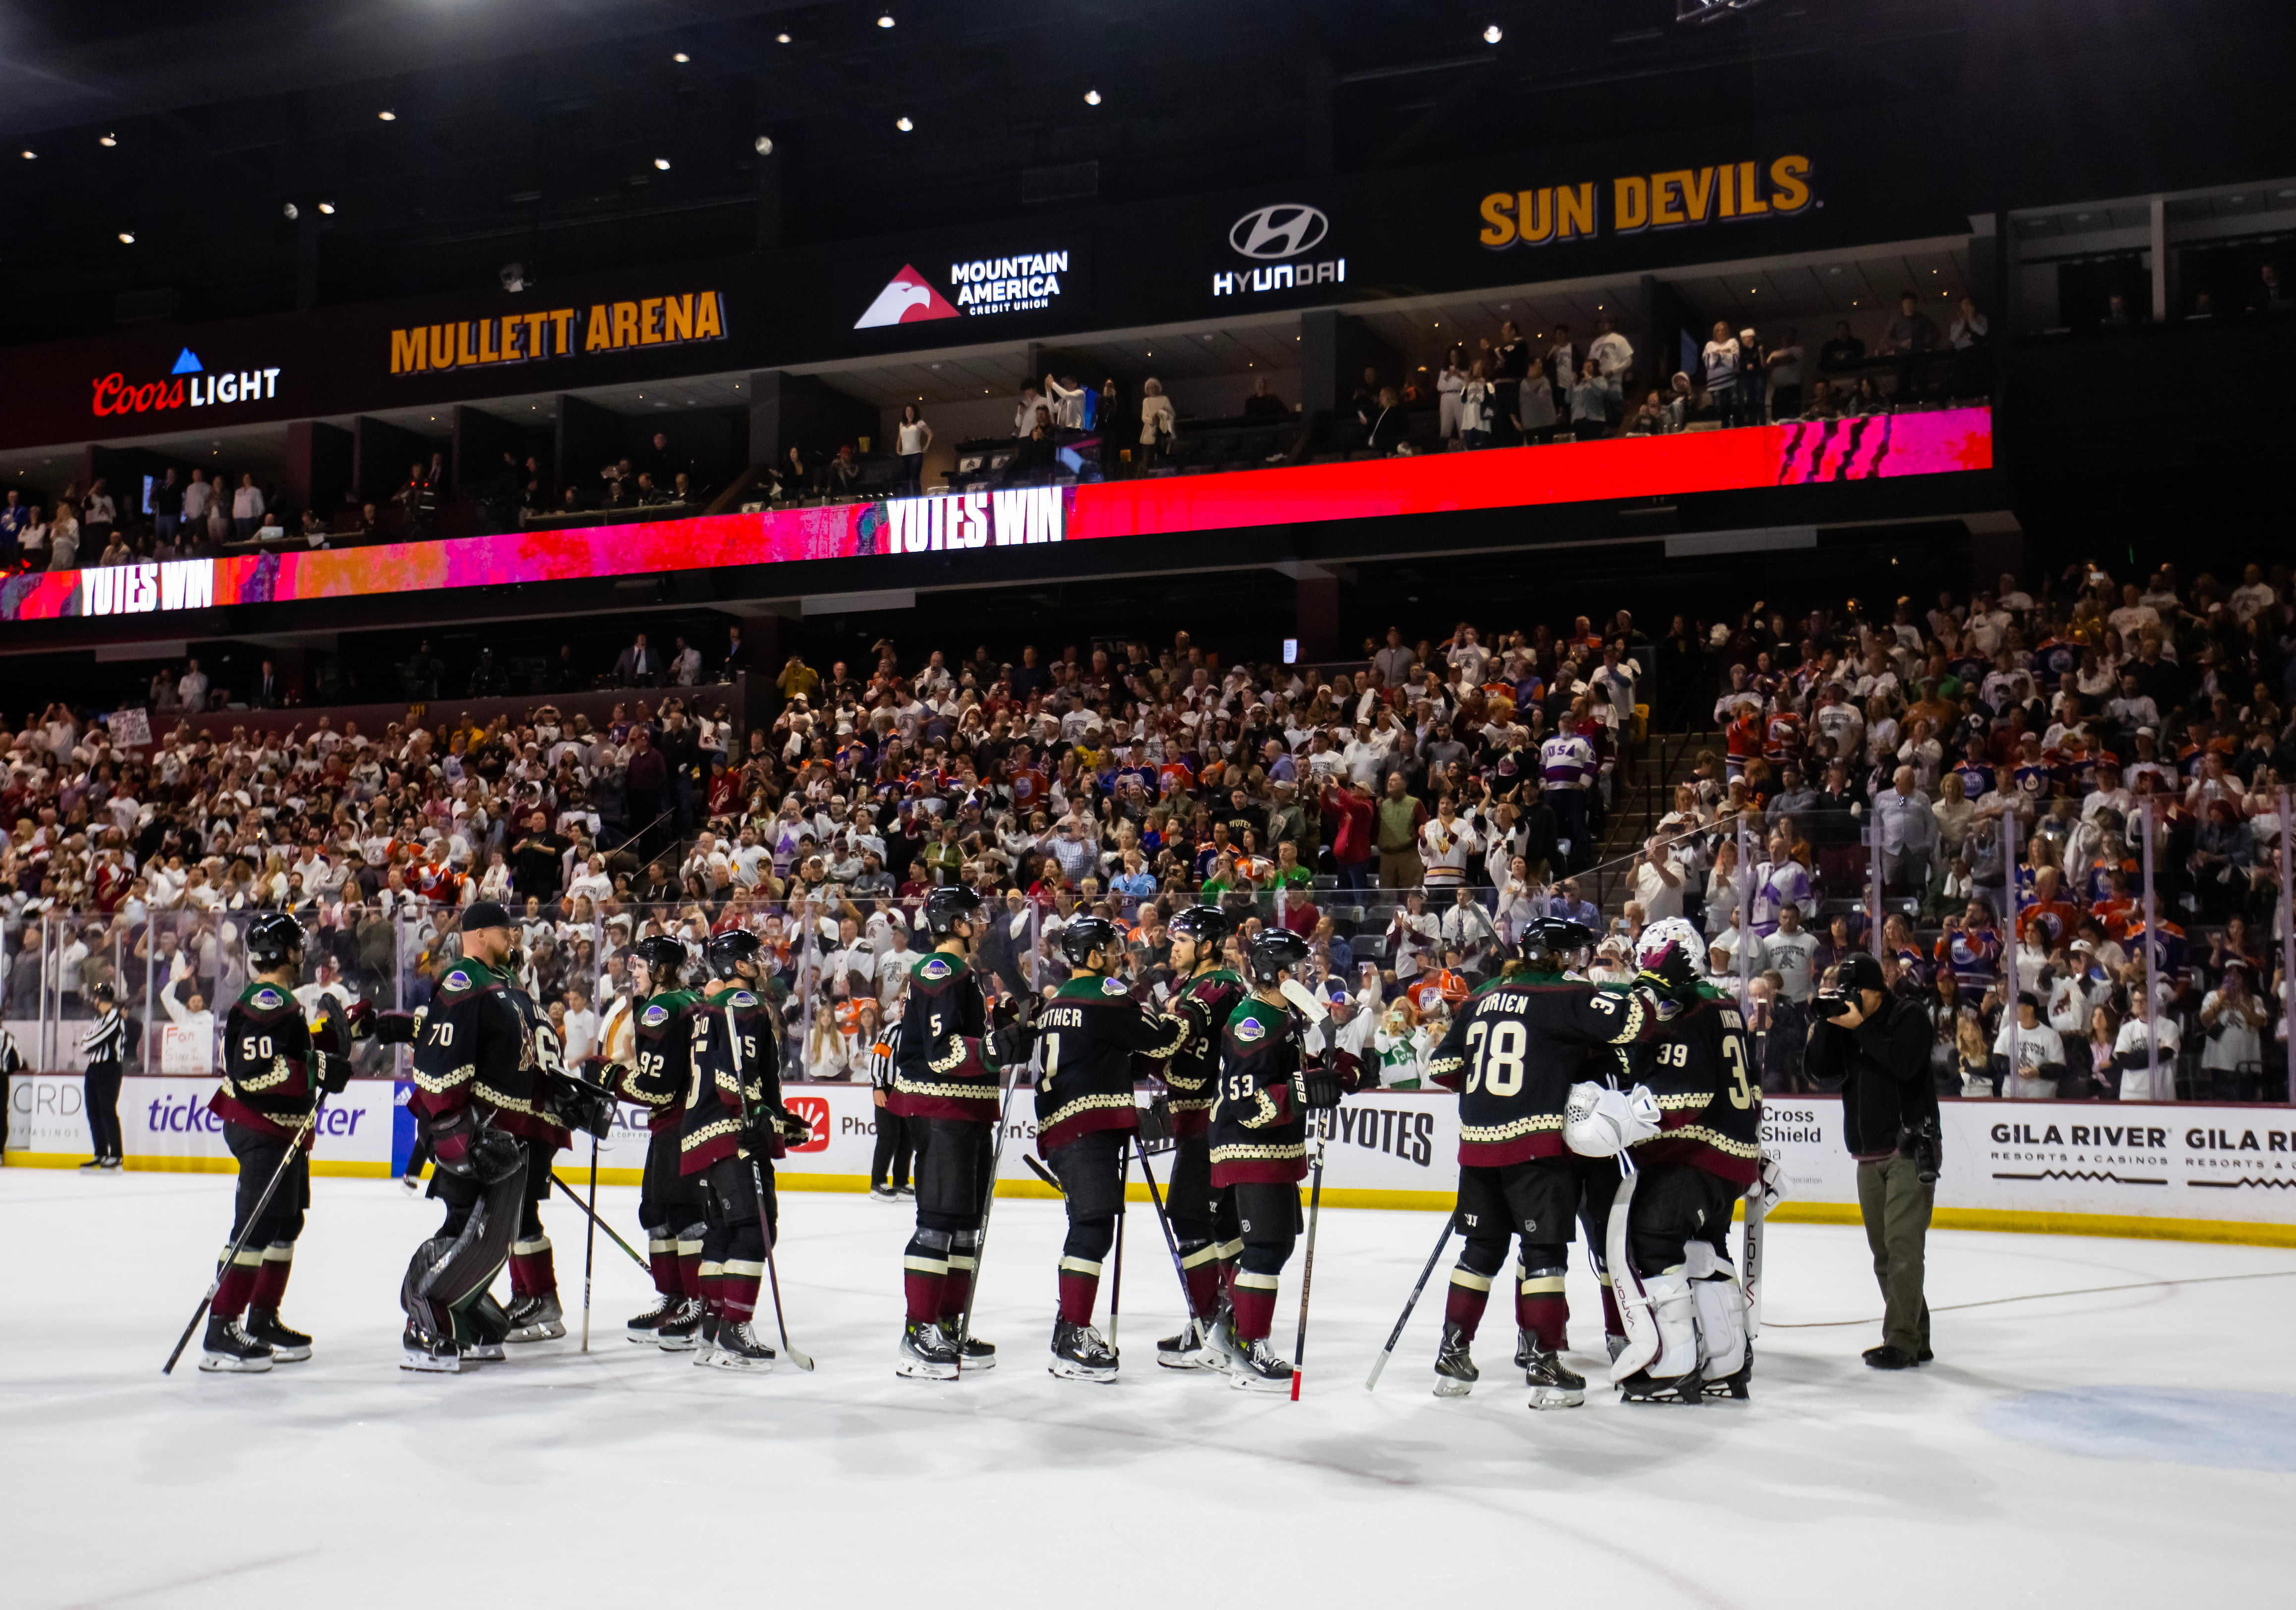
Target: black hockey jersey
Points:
x,y
1514,1050
1090,1032
942,1070
736,1075
475,1050
545,1057
661,1064
269,1083
1204,1003
1259,1134
1700,1067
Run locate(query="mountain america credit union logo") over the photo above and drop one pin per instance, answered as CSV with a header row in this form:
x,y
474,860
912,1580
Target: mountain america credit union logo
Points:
x,y
1271,236
985,285
187,385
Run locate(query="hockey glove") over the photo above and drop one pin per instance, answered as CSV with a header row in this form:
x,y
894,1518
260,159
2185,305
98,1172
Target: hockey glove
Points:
x,y
1770,1187
1598,1122
793,1131
1367,1071
1350,1068
1669,975
396,1028
495,1157
1315,1089
334,1072
360,1020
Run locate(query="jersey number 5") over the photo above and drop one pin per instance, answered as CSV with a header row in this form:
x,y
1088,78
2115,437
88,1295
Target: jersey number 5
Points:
x,y
1497,1049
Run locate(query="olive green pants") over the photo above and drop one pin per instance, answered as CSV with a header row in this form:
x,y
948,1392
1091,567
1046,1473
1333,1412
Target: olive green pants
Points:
x,y
1896,1207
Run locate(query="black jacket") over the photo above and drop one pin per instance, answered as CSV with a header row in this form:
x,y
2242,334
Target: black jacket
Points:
x,y
1882,1068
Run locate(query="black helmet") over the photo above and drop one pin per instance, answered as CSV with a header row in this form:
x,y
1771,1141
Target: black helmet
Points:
x,y
665,960
272,939
1271,951
1554,938
1085,936
727,952
945,909
1208,925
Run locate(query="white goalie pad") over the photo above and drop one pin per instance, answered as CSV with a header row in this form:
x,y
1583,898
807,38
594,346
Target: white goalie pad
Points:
x,y
1642,1343
1721,1324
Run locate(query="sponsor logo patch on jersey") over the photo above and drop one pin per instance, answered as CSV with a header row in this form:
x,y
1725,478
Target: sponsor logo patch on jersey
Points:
x,y
455,982
1250,1029
267,999
1114,986
740,998
938,967
655,1016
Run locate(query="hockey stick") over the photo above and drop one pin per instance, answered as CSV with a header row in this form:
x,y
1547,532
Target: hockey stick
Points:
x,y
1308,1272
590,1244
773,1274
575,1197
988,1206
1757,1215
1123,1201
1043,1173
294,1145
1171,1242
1410,1303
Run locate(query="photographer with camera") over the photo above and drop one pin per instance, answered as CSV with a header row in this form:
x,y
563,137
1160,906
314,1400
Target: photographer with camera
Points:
x,y
1874,1046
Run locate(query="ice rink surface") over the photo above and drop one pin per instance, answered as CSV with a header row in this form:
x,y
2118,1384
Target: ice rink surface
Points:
x,y
2127,1447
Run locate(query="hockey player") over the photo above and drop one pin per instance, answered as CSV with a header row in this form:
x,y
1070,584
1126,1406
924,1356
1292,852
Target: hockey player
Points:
x,y
670,1207
1260,1148
534,1314
1203,1220
272,1078
732,1126
1512,1052
473,1096
1700,1153
945,1087
1091,1030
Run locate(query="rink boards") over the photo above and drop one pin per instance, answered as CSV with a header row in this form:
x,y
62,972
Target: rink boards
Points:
x,y
2175,1170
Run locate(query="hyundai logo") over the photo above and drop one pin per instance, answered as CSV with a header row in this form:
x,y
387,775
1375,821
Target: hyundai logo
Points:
x,y
1285,230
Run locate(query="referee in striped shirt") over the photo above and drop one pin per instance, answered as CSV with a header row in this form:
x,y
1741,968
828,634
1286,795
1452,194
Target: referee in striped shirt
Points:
x,y
889,1170
106,1046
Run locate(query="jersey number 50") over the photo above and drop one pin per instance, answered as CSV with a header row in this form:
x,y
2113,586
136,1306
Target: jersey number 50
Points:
x,y
1496,1048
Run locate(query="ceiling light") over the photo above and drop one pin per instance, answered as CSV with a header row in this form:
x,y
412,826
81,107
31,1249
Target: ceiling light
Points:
x,y
1092,97
387,115
1492,36
662,163
289,209
108,141
885,22
126,239
780,38
31,156
328,207
763,145
903,124
681,58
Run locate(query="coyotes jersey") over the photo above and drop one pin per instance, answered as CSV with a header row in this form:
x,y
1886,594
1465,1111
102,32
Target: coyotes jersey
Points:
x,y
942,1070
475,1051
662,1039
736,1073
1205,1003
1514,1050
267,1063
1090,1032
544,1058
1700,1067
1259,1135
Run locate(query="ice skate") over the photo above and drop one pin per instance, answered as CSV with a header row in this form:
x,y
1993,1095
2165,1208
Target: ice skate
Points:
x,y
1081,1353
1259,1370
1552,1386
926,1353
679,1327
536,1320
976,1353
1455,1374
430,1355
736,1346
642,1329
287,1346
1192,1349
882,1193
228,1350
1735,1384
1642,1387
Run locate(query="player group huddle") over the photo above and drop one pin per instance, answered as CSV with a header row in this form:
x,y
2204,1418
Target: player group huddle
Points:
x,y
1629,1108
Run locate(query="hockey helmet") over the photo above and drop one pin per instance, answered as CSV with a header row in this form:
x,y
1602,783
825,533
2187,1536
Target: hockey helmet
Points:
x,y
1207,925
945,907
1086,935
273,939
1272,952
1673,931
1555,939
665,960
727,953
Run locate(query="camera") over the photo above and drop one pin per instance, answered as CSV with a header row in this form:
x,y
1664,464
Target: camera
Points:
x,y
1923,1143
1830,1004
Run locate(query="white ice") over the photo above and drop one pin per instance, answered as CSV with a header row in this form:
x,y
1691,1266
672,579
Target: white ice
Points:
x,y
2133,1447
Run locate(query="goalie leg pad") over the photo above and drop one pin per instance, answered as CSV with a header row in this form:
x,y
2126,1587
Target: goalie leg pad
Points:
x,y
1635,1320
1721,1308
451,1269
1675,1312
